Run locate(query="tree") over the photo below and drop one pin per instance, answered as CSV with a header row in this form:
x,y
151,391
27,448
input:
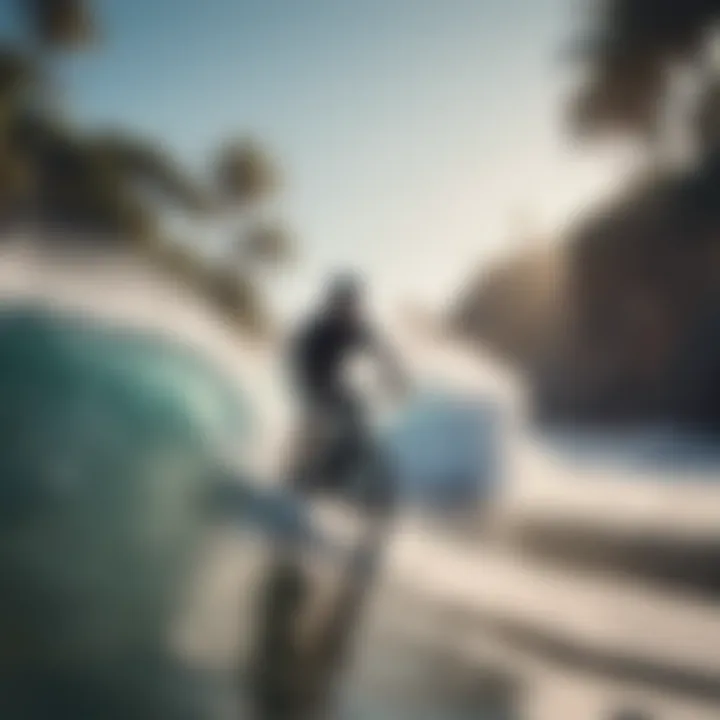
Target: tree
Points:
x,y
243,173
114,186
16,76
644,268
245,178
58,24
631,50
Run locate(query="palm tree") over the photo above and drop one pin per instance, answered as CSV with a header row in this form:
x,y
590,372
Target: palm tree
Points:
x,y
631,50
265,245
59,24
244,173
16,76
244,179
51,26
116,185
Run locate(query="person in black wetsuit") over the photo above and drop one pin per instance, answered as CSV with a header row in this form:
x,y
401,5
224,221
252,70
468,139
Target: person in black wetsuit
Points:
x,y
319,356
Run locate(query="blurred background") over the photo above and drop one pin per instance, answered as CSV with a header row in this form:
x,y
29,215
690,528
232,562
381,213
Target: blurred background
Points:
x,y
530,191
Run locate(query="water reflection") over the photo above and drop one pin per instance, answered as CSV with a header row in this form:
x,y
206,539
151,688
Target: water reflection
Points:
x,y
662,450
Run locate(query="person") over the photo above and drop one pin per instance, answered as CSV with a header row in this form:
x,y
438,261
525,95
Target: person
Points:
x,y
334,335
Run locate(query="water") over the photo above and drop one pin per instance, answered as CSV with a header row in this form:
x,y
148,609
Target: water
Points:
x,y
413,660
659,452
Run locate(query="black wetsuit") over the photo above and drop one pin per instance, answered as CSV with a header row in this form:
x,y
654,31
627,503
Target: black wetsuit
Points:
x,y
320,354
319,357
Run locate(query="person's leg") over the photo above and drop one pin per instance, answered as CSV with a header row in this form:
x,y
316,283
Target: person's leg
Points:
x,y
372,476
313,454
332,443
303,447
276,661
346,451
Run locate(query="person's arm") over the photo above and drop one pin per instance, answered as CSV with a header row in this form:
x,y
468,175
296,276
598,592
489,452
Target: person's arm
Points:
x,y
295,358
395,375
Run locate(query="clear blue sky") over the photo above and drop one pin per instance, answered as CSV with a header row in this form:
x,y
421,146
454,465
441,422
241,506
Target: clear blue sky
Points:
x,y
411,131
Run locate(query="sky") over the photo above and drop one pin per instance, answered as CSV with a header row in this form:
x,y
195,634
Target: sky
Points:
x,y
418,138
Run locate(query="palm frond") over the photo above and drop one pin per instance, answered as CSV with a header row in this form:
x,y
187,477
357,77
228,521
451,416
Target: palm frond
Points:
x,y
244,173
61,24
